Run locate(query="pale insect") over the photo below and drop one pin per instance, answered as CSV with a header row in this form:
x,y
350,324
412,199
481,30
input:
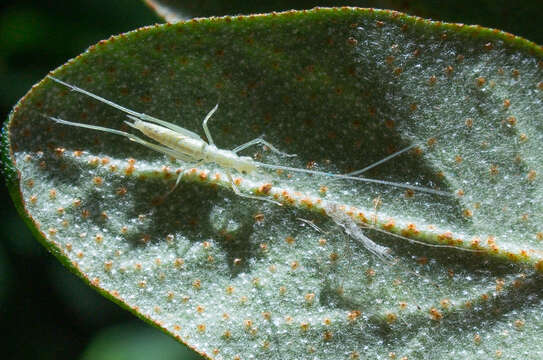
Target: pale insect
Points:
x,y
185,145
356,233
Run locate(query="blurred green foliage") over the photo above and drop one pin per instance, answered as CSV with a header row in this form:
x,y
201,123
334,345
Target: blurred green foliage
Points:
x,y
47,313
135,342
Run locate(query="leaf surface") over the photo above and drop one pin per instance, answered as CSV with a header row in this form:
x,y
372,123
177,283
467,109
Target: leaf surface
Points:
x,y
517,18
342,89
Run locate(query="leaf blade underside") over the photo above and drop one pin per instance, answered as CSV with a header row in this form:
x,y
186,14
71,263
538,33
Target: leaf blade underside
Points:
x,y
341,88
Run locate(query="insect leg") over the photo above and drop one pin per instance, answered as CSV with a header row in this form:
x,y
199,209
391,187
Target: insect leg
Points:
x,y
177,181
353,230
204,124
236,190
163,197
263,142
311,224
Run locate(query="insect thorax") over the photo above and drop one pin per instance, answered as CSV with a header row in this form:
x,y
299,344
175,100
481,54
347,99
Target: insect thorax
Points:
x,y
229,159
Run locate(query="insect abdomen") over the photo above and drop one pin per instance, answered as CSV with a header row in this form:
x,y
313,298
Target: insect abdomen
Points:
x,y
229,159
175,141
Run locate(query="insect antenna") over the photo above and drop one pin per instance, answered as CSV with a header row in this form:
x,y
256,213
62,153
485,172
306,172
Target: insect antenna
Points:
x,y
356,178
133,113
357,172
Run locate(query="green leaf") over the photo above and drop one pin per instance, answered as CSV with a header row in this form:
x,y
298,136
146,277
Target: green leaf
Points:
x,y
176,10
521,18
343,89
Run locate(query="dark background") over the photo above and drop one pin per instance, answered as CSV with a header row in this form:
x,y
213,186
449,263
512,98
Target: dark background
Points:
x,y
45,311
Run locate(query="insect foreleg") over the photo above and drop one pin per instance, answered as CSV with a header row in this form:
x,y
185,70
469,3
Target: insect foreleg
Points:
x,y
263,142
177,181
239,193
